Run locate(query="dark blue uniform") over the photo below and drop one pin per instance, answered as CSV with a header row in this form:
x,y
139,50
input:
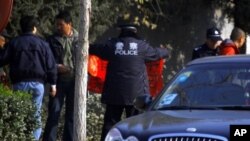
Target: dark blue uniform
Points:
x,y
126,76
203,51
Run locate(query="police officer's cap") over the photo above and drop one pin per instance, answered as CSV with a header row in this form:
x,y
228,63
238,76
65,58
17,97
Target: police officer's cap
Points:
x,y
132,27
214,34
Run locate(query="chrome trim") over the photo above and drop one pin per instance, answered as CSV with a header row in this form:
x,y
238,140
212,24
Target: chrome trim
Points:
x,y
188,135
191,129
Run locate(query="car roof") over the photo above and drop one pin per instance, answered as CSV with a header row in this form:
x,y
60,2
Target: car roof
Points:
x,y
221,59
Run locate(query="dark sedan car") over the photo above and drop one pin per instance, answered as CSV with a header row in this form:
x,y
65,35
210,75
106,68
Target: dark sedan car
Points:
x,y
199,104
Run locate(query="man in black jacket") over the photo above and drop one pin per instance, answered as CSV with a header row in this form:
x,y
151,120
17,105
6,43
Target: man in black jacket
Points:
x,y
31,64
126,76
63,44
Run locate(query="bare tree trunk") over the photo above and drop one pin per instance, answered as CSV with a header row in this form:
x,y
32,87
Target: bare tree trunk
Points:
x,y
81,73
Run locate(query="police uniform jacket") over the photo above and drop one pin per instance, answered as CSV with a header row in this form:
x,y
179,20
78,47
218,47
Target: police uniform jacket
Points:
x,y
126,75
203,51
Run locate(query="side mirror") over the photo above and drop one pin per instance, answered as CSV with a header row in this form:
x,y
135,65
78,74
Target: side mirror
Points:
x,y
142,102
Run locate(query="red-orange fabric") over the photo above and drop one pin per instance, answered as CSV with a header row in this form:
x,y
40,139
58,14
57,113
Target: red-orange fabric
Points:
x,y
5,11
229,50
154,70
97,70
97,67
228,47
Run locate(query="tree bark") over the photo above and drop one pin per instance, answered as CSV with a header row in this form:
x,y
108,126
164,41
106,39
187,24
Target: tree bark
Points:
x,y
79,133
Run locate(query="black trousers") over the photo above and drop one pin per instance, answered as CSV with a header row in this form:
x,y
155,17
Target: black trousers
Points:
x,y
113,115
65,91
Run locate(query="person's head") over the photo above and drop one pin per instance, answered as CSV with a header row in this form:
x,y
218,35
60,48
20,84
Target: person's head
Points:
x,y
64,23
128,30
29,24
213,36
238,36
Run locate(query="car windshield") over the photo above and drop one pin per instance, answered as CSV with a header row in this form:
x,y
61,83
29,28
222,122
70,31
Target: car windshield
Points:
x,y
210,85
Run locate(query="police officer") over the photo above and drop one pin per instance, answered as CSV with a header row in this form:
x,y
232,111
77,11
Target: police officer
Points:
x,y
126,76
210,47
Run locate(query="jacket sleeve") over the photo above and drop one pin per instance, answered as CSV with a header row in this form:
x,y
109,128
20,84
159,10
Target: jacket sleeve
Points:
x,y
51,68
55,48
227,51
155,53
228,47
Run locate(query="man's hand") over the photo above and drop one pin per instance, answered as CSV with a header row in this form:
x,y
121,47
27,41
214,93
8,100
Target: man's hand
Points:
x,y
162,46
62,69
52,90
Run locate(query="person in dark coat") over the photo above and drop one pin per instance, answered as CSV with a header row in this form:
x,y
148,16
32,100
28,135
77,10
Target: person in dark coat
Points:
x,y
63,44
126,76
31,64
210,47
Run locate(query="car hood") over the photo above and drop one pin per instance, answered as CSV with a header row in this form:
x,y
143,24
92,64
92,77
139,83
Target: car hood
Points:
x,y
182,121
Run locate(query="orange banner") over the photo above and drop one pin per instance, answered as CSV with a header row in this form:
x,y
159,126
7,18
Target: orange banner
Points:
x,y
97,70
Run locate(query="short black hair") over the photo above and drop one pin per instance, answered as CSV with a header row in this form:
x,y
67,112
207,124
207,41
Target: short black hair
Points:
x,y
64,15
27,23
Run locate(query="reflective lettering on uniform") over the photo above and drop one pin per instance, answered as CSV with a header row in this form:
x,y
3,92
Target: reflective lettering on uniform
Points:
x,y
133,46
133,49
126,52
119,45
